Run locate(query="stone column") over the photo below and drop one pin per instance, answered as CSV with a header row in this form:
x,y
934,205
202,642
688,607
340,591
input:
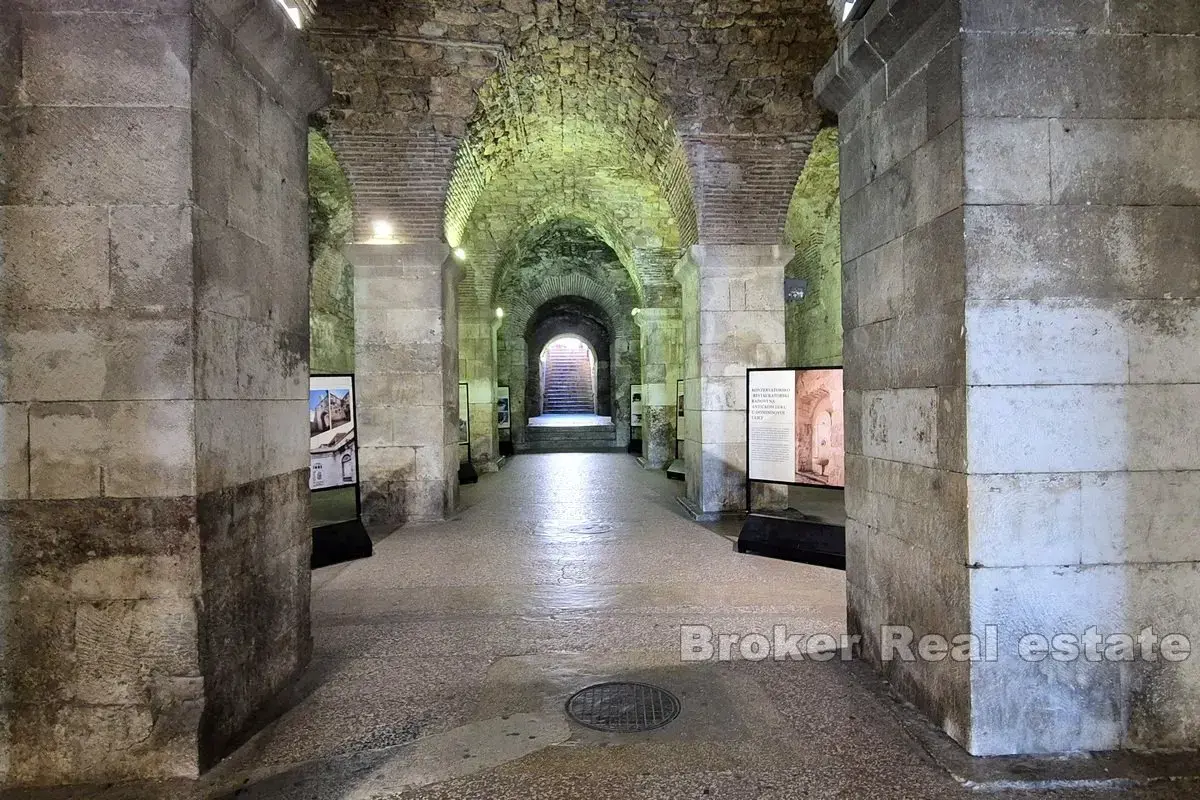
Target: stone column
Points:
x,y
1022,324
153,382
477,365
733,318
406,354
661,349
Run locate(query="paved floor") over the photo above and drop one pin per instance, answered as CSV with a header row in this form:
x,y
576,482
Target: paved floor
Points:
x,y
442,664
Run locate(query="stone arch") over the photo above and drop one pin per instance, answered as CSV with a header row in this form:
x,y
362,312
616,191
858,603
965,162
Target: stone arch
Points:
x,y
623,357
522,309
569,127
597,346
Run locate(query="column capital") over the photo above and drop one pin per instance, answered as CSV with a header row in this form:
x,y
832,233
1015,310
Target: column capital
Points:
x,y
686,269
649,318
415,254
714,260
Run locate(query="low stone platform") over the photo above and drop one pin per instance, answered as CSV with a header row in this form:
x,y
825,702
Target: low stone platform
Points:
x,y
570,433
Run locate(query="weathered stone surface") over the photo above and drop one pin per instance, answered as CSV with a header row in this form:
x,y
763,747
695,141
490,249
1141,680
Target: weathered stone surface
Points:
x,y
814,324
714,451
395,489
253,535
1054,451
157,547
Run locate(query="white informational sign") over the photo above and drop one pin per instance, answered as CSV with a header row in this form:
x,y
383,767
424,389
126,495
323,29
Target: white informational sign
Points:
x,y
503,410
772,425
635,405
797,427
333,452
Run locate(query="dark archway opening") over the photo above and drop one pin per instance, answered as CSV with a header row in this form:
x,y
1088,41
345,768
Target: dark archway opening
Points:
x,y
588,324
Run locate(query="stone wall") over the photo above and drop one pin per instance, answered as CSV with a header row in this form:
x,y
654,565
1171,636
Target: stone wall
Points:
x,y
250,268
406,360
1021,273
154,378
331,225
902,248
1082,184
814,324
733,319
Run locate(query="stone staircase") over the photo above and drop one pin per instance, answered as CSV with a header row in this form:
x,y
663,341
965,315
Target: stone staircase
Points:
x,y
570,386
574,439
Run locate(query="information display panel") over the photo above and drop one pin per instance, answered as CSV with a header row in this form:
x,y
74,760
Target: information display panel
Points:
x,y
332,446
795,426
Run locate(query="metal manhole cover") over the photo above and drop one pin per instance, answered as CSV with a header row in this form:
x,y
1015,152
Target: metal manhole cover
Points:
x,y
623,707
590,527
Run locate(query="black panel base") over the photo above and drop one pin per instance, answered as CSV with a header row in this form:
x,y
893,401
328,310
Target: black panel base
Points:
x,y
506,448
634,446
794,540
467,474
341,541
676,470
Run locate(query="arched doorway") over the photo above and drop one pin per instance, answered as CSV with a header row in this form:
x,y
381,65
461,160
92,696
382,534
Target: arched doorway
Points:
x,y
567,367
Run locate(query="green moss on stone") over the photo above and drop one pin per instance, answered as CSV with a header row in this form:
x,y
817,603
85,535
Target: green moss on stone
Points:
x,y
814,325
331,223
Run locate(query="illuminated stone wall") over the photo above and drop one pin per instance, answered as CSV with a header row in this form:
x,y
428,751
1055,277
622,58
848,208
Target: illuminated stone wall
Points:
x,y
331,222
814,324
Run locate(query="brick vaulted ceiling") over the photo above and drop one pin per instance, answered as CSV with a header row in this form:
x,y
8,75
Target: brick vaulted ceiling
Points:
x,y
655,124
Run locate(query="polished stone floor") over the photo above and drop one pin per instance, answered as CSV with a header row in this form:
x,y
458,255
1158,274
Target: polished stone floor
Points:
x,y
442,664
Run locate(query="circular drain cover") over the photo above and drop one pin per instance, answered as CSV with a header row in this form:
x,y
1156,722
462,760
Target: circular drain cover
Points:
x,y
591,527
623,707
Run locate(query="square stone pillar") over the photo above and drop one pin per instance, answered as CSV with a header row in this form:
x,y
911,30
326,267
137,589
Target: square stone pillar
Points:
x,y
406,361
154,512
662,351
477,326
732,319
1022,310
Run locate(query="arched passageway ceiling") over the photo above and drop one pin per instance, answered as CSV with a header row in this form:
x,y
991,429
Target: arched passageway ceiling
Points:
x,y
628,215
551,250
571,128
723,89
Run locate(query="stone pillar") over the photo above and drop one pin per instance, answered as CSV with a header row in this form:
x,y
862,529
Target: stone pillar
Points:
x,y
154,514
406,357
477,365
732,319
661,349
1022,309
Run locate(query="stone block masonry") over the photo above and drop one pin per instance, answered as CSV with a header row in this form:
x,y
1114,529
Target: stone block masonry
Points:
x,y
153,381
406,357
733,320
1020,216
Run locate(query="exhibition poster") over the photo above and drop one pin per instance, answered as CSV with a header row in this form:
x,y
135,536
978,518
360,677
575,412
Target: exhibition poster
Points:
x,y
796,426
503,411
635,405
333,452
